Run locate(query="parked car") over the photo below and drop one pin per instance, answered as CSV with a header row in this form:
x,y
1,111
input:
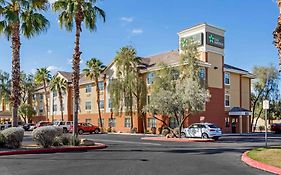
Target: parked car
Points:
x,y
202,130
65,125
28,126
5,125
276,127
86,127
42,123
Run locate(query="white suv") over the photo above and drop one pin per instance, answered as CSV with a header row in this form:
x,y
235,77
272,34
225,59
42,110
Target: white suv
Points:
x,y
65,125
203,130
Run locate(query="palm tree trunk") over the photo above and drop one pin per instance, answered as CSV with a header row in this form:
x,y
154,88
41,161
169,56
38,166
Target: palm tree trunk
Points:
x,y
76,69
131,109
98,100
15,72
277,34
46,100
61,105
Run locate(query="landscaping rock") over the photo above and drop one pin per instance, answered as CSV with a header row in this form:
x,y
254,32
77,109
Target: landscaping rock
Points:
x,y
87,142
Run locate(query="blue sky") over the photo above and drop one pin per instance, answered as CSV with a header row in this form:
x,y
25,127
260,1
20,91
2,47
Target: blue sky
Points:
x,y
151,26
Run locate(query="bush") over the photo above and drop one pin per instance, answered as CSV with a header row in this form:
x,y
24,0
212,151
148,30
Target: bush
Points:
x,y
261,128
134,130
59,131
165,131
57,141
2,141
153,130
75,140
13,137
45,136
160,130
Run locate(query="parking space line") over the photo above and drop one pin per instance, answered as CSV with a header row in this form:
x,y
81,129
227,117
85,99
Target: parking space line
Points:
x,y
129,142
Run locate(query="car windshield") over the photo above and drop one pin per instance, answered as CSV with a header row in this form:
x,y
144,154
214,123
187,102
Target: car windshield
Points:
x,y
212,126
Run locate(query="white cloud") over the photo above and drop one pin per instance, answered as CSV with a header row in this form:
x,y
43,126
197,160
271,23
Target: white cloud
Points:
x,y
53,69
127,19
137,31
52,1
49,51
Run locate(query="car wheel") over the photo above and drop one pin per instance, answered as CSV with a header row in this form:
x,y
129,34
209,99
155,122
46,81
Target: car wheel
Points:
x,y
64,130
80,131
183,134
97,131
91,132
2,127
205,136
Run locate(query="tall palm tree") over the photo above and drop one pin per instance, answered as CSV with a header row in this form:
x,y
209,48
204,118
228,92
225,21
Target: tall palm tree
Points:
x,y
127,65
5,91
277,34
59,85
93,71
20,17
43,77
77,11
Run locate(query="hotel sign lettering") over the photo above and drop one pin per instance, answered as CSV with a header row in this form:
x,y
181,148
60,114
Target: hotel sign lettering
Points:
x,y
215,40
197,38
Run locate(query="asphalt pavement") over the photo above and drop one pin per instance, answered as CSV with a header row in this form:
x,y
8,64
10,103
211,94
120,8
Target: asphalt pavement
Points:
x,y
129,155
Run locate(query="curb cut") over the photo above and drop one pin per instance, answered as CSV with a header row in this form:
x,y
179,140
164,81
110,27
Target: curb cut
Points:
x,y
262,166
54,150
182,140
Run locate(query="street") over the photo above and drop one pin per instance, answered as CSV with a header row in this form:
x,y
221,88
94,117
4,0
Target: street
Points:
x,y
129,155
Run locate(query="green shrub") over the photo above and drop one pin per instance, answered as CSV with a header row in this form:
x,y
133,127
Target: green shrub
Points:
x,y
153,130
45,136
2,141
75,141
65,139
57,141
13,137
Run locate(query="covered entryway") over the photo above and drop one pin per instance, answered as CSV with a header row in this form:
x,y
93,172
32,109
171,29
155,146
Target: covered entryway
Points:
x,y
240,120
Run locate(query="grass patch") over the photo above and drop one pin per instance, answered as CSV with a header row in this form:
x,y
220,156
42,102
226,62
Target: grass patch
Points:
x,y
270,156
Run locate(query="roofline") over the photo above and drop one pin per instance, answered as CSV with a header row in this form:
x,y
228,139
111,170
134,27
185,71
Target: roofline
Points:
x,y
198,26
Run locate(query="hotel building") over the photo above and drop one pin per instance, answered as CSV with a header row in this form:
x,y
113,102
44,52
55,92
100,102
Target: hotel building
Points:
x,y
229,86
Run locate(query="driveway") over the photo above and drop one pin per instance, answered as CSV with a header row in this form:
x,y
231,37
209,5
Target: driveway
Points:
x,y
129,155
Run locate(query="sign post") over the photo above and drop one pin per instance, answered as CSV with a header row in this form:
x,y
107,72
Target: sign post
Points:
x,y
265,107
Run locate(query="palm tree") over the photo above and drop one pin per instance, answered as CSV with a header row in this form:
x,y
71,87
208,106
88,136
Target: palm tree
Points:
x,y
43,77
127,65
27,88
59,85
5,91
20,17
77,11
93,71
277,34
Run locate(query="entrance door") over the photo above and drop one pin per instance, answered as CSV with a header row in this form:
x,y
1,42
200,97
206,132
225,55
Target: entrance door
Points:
x,y
233,125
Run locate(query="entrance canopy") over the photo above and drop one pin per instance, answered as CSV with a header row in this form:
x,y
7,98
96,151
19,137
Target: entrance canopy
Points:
x,y
239,111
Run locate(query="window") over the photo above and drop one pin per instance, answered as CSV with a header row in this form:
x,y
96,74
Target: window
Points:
x,y
88,120
202,73
55,94
149,78
55,108
88,105
127,122
101,85
109,103
226,78
112,122
175,74
148,99
151,122
227,100
102,104
41,109
41,97
173,122
88,88
102,120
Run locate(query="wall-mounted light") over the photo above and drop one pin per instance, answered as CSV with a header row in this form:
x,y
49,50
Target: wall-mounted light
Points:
x,y
215,67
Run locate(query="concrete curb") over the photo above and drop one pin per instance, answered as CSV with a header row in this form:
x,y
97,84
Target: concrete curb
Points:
x,y
262,166
53,150
182,140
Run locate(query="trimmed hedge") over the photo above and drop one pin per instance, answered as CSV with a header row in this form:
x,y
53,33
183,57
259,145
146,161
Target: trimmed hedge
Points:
x,y
13,137
45,136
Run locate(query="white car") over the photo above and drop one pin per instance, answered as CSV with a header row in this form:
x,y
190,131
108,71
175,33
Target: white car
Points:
x,y
65,125
202,130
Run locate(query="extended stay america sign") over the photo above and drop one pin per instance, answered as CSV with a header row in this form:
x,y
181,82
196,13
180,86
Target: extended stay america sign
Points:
x,y
215,40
